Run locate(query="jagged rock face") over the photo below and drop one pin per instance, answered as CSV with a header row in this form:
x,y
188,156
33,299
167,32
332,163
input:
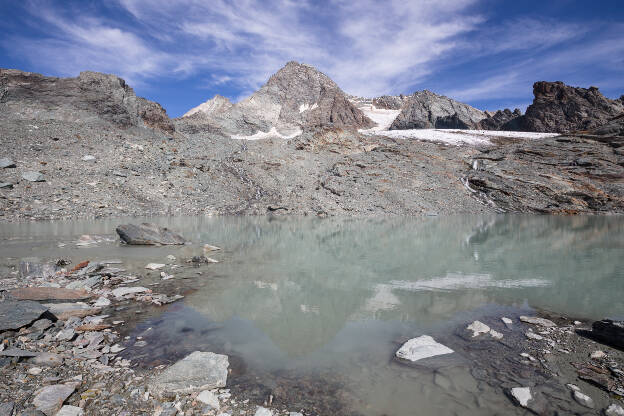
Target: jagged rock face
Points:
x,y
390,102
91,96
558,108
426,110
614,128
217,104
497,120
298,97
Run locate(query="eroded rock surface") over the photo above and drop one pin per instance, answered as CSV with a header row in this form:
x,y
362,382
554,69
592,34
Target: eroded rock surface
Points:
x,y
148,234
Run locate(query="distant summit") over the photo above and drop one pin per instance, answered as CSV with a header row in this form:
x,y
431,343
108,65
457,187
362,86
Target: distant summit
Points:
x,y
217,104
296,98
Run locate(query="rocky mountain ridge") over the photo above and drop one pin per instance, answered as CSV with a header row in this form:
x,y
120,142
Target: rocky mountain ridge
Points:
x,y
92,97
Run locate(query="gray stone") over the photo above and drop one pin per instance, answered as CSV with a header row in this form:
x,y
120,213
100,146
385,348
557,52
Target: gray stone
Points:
x,y
66,335
83,284
42,324
262,411
16,352
148,234
70,411
609,331
33,176
32,269
88,158
50,399
16,314
207,397
614,410
6,163
477,328
48,359
123,291
583,399
6,409
547,323
420,348
32,412
197,371
64,311
6,185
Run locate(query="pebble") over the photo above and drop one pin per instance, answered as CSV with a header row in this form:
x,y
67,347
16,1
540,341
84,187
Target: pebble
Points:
x,y
35,371
598,354
208,398
532,335
88,158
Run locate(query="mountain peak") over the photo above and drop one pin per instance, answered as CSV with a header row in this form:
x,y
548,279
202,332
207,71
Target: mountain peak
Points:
x,y
218,103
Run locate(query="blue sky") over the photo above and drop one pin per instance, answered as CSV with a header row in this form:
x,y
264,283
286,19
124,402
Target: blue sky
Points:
x,y
487,53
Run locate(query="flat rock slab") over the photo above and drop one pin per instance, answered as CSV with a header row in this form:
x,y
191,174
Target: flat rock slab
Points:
x,y
610,332
16,314
534,320
197,371
33,176
148,234
422,347
70,411
16,352
123,291
50,399
6,163
64,311
35,269
49,294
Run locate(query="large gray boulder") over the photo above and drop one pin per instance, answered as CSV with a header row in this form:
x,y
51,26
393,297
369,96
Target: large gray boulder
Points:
x,y
90,96
559,108
49,399
16,314
148,234
426,110
197,371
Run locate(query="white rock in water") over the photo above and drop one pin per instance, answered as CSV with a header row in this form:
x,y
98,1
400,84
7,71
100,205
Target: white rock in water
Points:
x,y
171,258
70,411
598,354
208,397
208,247
532,335
263,412
583,399
522,395
123,291
496,334
165,276
614,410
422,347
155,266
478,328
573,387
88,158
538,321
508,322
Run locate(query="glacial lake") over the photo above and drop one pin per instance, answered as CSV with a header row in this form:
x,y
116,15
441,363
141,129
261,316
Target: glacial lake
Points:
x,y
324,303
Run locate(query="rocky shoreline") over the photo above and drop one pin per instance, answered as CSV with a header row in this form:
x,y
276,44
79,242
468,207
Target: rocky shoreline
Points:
x,y
65,350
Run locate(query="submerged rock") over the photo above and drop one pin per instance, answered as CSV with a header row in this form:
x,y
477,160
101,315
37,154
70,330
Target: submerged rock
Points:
x,y
422,347
477,328
16,314
614,410
608,331
583,399
547,323
197,371
148,234
521,395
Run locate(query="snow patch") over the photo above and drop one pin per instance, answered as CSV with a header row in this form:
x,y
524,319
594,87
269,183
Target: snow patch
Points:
x,y
267,135
456,137
306,107
382,117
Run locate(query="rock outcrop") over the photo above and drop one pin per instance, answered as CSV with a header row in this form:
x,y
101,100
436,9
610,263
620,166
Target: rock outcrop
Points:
x,y
426,110
559,108
497,120
390,102
216,105
297,98
90,97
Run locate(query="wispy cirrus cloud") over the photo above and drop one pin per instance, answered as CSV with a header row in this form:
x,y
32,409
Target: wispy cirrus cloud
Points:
x,y
369,47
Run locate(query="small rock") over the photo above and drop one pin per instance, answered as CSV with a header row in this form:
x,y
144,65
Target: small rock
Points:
x,y
508,322
538,321
33,176
521,395
88,158
534,336
66,335
6,163
70,411
49,359
50,399
64,311
573,387
614,410
155,266
583,399
165,276
148,234
123,291
598,354
101,302
171,258
6,185
477,328
116,348
208,247
35,371
496,334
261,411
208,398
422,347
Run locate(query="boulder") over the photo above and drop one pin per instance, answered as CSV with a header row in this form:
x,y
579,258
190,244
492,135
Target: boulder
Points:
x,y
521,395
197,371
50,399
609,332
148,234
6,163
70,411
16,314
64,311
33,176
420,348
